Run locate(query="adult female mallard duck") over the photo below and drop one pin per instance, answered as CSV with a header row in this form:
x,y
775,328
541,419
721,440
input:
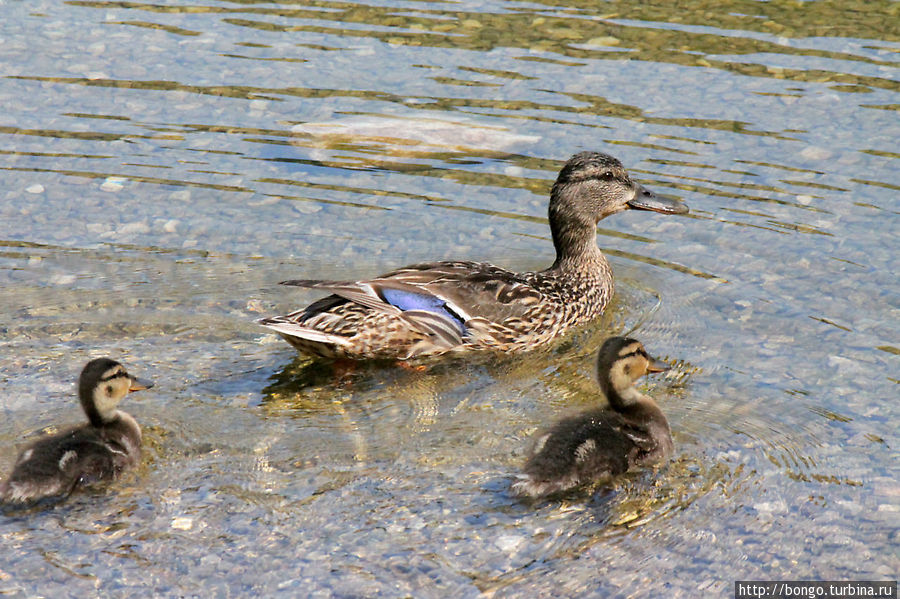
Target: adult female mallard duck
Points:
x,y
603,442
54,466
430,309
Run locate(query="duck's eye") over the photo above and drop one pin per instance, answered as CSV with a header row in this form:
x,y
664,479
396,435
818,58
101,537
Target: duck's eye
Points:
x,y
608,175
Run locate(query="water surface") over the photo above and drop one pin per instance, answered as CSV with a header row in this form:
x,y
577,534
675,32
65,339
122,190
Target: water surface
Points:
x,y
163,166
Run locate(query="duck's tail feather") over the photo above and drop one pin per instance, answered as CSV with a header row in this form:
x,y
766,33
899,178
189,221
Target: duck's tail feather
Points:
x,y
288,328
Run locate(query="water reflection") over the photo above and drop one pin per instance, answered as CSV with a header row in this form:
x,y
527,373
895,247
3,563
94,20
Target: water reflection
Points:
x,y
160,176
380,135
649,33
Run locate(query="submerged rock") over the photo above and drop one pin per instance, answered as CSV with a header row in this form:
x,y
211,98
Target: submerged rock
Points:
x,y
407,137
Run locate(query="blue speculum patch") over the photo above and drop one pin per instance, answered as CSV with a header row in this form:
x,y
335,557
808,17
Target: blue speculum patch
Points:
x,y
408,300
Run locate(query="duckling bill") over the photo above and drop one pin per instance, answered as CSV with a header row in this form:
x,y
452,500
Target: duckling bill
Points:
x,y
430,309
601,443
56,465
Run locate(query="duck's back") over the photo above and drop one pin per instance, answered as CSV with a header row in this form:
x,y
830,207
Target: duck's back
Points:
x,y
55,466
499,295
478,289
430,309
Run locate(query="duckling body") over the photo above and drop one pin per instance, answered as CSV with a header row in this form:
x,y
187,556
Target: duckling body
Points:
x,y
430,309
603,442
110,443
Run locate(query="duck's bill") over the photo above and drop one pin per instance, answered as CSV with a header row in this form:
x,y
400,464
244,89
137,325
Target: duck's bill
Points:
x,y
139,384
644,199
657,366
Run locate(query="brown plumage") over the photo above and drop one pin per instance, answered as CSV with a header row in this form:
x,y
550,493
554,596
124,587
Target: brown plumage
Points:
x,y
55,465
434,308
604,442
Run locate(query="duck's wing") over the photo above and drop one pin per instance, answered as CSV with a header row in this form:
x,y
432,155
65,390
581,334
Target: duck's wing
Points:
x,y
640,437
427,313
477,289
55,466
450,293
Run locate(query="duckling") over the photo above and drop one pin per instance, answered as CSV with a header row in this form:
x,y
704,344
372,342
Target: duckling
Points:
x,y
430,309
604,442
54,466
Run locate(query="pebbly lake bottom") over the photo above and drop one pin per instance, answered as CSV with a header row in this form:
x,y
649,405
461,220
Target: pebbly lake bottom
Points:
x,y
267,473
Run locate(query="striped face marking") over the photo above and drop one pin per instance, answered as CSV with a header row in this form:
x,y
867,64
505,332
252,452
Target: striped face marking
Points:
x,y
114,372
633,349
111,387
630,365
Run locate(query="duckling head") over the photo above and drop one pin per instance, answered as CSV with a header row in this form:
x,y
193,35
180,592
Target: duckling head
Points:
x,y
622,361
102,385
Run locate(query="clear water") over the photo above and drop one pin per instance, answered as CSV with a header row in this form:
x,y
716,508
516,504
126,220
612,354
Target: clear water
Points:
x,y
163,166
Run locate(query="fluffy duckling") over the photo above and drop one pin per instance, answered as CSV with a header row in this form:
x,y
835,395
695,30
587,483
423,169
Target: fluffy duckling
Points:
x,y
56,465
603,442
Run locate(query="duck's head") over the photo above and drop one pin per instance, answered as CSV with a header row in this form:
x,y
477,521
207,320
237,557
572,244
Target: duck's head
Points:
x,y
590,187
102,385
595,185
620,362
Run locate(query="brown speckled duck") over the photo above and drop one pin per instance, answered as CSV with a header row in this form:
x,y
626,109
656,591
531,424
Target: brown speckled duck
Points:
x,y
431,309
54,466
603,442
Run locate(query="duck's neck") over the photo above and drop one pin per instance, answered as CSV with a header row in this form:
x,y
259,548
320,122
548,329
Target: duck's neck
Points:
x,y
129,421
574,234
626,399
576,246
641,411
95,415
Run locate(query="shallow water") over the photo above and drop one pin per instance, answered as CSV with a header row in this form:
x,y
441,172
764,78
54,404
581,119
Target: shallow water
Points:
x,y
164,165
